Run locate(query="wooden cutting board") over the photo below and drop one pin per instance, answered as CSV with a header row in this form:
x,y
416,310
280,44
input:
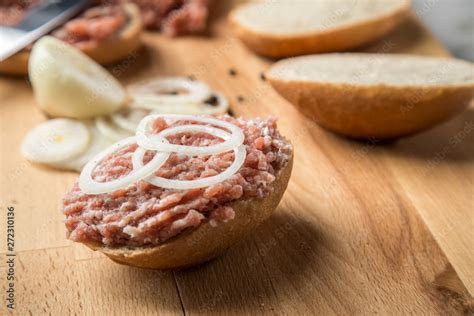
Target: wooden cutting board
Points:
x,y
364,228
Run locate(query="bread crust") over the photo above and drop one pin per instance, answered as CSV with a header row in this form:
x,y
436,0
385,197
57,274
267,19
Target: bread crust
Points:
x,y
374,111
205,242
336,39
107,52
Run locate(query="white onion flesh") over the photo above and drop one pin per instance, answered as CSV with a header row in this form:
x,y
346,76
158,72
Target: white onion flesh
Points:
x,y
157,91
221,108
55,140
128,119
97,143
236,139
232,136
68,83
239,159
89,186
110,130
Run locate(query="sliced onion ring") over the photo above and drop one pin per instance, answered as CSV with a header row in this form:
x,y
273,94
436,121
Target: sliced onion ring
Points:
x,y
148,93
55,140
90,186
239,159
236,139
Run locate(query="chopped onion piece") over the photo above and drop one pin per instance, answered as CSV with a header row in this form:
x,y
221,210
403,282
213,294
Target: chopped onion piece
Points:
x,y
236,139
89,186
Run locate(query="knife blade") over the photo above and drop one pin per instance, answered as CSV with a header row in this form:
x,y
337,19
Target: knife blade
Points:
x,y
38,22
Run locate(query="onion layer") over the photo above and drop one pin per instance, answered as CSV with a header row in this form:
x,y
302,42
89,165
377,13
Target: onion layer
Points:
x,y
233,140
165,91
217,104
236,139
55,140
89,186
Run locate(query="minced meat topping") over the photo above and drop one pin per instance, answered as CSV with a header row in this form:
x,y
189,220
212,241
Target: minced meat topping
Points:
x,y
143,214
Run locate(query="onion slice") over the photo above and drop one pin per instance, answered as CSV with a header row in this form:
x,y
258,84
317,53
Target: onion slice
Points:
x,y
239,159
158,92
89,186
110,130
156,143
128,119
55,140
220,107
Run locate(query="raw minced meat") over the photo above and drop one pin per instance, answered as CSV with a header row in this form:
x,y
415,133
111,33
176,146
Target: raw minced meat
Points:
x,y
12,12
143,214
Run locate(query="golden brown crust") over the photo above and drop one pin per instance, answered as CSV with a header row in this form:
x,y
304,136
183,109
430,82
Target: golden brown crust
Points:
x,y
106,52
16,64
377,111
205,242
332,40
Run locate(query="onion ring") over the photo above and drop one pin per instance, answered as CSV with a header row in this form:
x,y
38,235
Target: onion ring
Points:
x,y
144,94
143,140
90,186
128,120
239,159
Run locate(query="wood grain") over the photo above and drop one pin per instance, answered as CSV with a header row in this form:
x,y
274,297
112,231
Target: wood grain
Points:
x,y
364,228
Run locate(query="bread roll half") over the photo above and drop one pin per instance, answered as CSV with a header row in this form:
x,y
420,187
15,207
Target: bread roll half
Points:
x,y
282,28
375,95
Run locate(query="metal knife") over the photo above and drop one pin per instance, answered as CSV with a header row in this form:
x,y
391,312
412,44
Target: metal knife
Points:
x,y
39,21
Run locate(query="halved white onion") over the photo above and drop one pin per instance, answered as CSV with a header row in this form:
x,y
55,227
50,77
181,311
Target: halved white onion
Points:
x,y
89,186
236,139
98,142
110,130
55,140
157,91
128,119
239,154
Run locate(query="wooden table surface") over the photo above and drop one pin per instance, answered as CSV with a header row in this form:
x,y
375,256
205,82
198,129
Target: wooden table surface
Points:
x,y
364,228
